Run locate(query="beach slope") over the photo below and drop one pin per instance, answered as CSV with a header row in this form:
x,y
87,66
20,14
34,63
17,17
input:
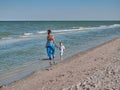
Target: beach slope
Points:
x,y
94,69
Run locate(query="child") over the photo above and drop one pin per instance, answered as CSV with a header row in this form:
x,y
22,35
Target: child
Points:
x,y
61,48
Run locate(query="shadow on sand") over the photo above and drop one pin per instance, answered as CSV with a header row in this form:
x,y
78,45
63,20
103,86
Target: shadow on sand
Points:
x,y
45,59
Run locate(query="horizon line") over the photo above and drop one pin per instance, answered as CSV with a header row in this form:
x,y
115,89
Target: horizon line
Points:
x,y
60,20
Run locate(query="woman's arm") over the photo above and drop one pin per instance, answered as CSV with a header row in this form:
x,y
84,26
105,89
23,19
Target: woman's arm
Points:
x,y
54,41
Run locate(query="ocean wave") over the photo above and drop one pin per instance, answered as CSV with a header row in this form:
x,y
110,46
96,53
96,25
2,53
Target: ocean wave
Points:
x,y
82,29
8,41
11,40
41,32
6,38
73,29
97,28
27,35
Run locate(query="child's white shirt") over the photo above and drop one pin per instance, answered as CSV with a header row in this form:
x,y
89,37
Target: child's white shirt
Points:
x,y
61,48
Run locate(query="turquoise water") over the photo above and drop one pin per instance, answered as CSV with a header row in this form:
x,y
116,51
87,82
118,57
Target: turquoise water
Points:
x,y
22,43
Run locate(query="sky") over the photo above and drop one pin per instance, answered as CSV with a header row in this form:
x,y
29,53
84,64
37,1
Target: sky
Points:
x,y
13,10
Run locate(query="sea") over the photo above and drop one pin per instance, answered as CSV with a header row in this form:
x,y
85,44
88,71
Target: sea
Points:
x,y
22,43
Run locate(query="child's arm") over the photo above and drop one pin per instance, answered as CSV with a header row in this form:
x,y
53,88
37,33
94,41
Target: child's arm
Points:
x,y
63,48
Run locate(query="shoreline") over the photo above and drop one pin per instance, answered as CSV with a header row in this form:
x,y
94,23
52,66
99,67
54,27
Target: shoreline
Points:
x,y
58,66
22,75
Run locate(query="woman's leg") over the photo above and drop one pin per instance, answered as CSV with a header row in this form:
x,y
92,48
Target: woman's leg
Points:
x,y
53,53
49,54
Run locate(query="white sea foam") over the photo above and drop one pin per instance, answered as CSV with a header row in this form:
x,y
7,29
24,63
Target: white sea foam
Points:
x,y
26,35
41,32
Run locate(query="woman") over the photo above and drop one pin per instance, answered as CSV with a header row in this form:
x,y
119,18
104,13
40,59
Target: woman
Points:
x,y
50,45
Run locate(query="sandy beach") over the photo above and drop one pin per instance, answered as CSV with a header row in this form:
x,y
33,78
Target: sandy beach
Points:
x,y
94,69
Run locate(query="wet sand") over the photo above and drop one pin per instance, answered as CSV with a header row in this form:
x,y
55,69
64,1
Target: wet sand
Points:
x,y
94,69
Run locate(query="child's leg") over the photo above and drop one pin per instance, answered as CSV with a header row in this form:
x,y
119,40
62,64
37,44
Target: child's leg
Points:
x,y
61,53
60,57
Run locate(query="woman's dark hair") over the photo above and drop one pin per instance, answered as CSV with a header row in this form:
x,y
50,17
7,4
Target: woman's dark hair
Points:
x,y
49,31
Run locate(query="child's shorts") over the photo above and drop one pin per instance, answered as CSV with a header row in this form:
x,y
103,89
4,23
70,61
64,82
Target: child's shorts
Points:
x,y
61,53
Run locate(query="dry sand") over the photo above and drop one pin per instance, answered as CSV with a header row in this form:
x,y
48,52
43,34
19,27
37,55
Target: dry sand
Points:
x,y
95,69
